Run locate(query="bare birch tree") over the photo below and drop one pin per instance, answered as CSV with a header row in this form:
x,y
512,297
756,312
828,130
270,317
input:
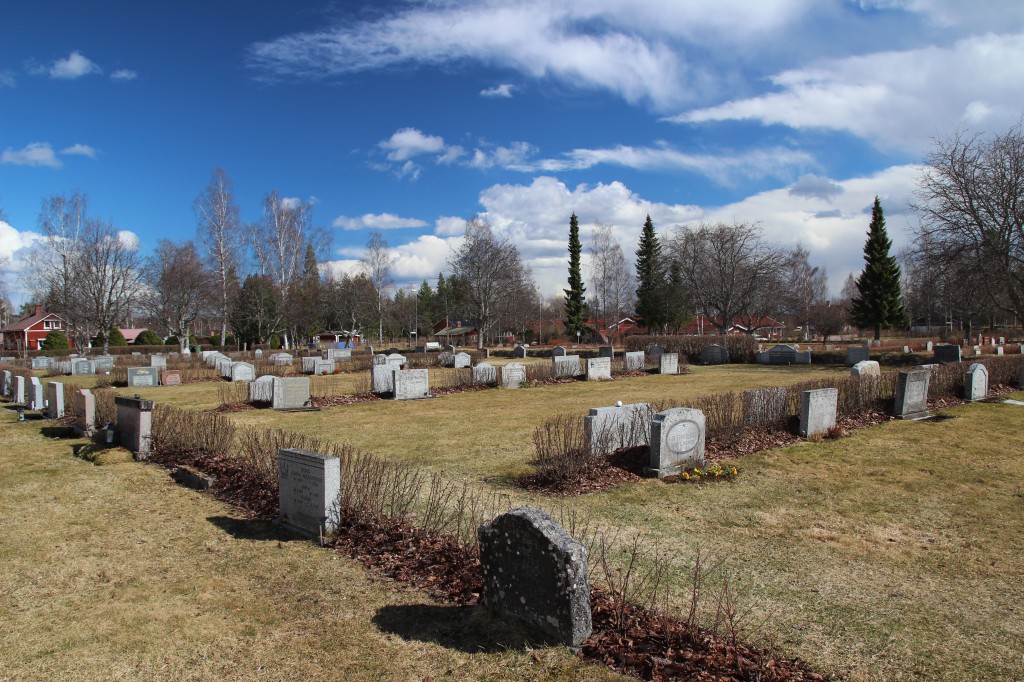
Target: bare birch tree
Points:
x,y
220,234
611,279
377,264
178,287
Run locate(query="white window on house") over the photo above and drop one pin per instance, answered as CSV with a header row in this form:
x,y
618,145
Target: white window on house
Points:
x,y
46,324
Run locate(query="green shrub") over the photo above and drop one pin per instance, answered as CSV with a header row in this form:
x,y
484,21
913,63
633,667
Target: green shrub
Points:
x,y
56,341
116,338
149,338
171,341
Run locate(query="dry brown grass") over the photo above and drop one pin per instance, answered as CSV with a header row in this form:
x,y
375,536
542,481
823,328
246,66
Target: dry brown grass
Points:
x,y
114,572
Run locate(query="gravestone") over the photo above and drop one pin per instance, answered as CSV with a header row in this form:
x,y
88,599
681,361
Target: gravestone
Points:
x,y
42,362
566,365
946,353
462,360
929,347
290,393
382,379
599,369
170,377
977,351
308,365
64,366
258,353
866,368
655,351
339,353
855,354
262,390
19,389
54,400
6,383
634,360
677,442
519,352
321,367
135,425
818,411
411,384
309,486
396,359
486,353
82,366
207,353
224,367
446,359
784,354
906,349
380,359
433,345
607,429
158,361
534,572
912,394
104,364
1002,340
142,376
85,412
976,382
513,375
449,348
242,371
36,397
714,355
8,359
999,350
283,360
214,358
485,373
558,352
668,363
606,352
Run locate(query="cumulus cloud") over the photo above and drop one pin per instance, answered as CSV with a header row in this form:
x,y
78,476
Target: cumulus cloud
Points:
x,y
900,98
409,142
290,203
500,91
833,226
74,66
79,150
129,239
811,185
123,75
32,154
377,221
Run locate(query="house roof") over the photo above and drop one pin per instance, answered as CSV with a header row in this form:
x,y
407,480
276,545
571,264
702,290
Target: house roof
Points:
x,y
130,334
28,322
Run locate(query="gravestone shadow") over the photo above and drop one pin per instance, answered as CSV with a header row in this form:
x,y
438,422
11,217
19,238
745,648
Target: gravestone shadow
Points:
x,y
58,432
470,629
253,529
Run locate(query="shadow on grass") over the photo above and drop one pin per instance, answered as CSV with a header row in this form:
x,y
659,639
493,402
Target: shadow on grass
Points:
x,y
253,529
470,629
58,432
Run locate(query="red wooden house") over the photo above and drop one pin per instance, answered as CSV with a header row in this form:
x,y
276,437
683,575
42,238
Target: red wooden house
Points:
x,y
29,332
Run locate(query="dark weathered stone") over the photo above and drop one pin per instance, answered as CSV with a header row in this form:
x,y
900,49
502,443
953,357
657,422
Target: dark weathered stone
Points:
x,y
912,394
192,478
135,425
714,355
535,572
855,354
947,352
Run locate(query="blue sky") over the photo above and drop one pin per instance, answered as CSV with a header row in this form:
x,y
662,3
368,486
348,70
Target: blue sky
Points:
x,y
410,117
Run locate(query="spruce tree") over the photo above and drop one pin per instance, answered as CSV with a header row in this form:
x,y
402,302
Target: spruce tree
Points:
x,y
878,302
575,302
650,273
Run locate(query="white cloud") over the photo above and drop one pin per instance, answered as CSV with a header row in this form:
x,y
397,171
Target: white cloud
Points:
x,y
513,157
833,225
500,91
290,203
74,66
811,185
377,221
80,150
7,79
33,154
629,49
409,142
450,226
128,239
723,167
902,99
124,75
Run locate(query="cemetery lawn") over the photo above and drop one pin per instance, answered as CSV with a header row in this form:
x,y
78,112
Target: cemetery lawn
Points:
x,y
892,553
114,572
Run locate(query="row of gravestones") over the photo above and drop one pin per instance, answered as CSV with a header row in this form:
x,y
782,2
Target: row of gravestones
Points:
x,y
533,570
